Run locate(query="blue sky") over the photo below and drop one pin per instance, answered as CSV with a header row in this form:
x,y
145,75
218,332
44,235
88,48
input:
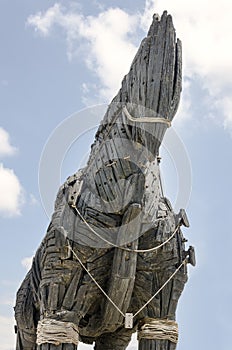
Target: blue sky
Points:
x,y
59,57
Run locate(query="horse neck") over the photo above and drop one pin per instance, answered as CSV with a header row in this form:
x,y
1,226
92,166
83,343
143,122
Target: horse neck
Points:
x,y
114,131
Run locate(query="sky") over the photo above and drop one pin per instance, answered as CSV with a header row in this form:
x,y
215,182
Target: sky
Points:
x,y
61,57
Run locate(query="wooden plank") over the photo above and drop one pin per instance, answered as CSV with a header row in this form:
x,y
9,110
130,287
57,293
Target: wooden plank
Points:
x,y
177,81
71,291
69,346
123,272
166,86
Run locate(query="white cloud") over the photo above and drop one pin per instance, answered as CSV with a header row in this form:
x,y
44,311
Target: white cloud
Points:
x,y
203,26
6,149
108,50
7,335
225,105
27,261
33,200
44,23
11,191
184,111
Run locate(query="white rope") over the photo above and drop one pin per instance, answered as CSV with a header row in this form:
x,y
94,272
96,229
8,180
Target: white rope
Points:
x,y
124,248
159,329
107,296
97,284
159,290
56,332
146,119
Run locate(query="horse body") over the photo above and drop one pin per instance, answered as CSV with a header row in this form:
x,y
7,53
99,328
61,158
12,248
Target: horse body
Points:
x,y
108,211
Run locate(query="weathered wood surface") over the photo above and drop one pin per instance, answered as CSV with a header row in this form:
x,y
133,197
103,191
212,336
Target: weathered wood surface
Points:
x,y
119,196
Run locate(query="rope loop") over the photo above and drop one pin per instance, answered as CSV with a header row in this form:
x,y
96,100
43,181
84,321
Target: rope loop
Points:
x,y
146,119
122,247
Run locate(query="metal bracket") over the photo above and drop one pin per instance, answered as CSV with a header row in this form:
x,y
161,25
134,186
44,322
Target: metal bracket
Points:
x,y
128,320
182,218
191,256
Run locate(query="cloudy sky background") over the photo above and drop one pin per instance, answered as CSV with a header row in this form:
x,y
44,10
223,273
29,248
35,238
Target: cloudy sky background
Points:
x,y
59,57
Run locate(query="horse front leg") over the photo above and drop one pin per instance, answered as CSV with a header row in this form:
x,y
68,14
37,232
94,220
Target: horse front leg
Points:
x,y
164,273
148,344
64,346
57,328
25,315
158,329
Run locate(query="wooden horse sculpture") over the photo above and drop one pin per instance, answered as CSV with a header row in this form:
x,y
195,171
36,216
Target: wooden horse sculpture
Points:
x,y
113,259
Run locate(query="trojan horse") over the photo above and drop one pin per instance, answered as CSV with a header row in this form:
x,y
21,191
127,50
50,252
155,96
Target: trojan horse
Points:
x,y
113,260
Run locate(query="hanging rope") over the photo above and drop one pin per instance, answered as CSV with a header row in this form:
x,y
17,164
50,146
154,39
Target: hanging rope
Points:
x,y
94,280
159,329
184,262
124,248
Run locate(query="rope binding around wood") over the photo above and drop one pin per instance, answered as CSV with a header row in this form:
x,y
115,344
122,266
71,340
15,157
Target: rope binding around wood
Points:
x,y
159,329
146,119
56,332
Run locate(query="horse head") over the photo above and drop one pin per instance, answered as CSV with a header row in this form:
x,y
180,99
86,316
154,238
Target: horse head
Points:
x,y
150,93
